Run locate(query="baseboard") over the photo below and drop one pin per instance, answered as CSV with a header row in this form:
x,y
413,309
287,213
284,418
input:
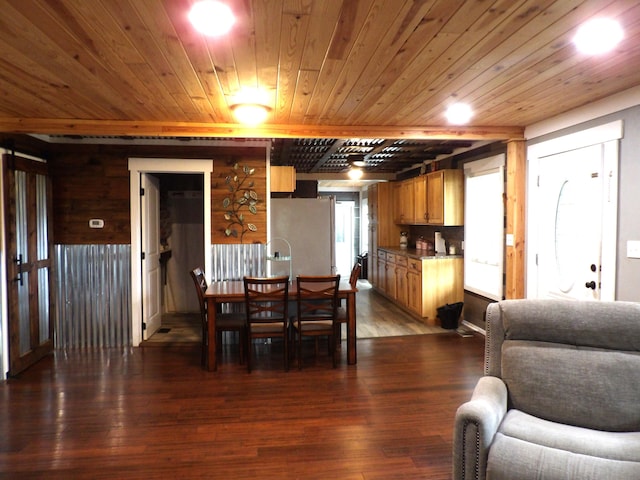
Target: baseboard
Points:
x,y
467,329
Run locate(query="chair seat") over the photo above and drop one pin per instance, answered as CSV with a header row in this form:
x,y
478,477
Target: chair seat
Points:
x,y
522,440
324,326
231,321
262,328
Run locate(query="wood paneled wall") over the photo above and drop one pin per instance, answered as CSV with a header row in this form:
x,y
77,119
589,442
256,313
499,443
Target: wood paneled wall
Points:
x,y
86,186
223,167
91,181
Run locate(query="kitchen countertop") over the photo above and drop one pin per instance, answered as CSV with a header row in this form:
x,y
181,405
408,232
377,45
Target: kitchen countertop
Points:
x,y
418,254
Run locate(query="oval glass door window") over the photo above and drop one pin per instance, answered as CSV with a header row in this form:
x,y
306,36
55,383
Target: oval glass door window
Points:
x,y
567,234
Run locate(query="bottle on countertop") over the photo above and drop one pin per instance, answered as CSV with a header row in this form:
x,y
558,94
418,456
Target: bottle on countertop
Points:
x,y
404,239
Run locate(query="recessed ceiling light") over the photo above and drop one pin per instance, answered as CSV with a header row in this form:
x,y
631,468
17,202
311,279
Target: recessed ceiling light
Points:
x,y
211,17
459,113
597,36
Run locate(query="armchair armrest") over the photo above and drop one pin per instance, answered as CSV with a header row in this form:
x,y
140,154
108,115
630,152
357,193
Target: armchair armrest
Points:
x,y
476,423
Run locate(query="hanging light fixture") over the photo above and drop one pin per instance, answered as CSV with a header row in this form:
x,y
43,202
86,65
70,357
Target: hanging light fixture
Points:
x,y
356,164
211,17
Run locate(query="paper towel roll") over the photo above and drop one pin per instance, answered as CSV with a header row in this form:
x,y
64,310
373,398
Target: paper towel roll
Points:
x,y
439,243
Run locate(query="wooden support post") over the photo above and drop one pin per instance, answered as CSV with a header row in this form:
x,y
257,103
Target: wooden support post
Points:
x,y
515,208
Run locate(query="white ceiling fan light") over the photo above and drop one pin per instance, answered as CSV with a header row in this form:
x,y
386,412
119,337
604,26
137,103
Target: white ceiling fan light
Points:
x,y
211,17
459,113
598,36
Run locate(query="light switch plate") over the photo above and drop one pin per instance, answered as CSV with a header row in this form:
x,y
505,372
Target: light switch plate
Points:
x,y
96,223
633,248
509,240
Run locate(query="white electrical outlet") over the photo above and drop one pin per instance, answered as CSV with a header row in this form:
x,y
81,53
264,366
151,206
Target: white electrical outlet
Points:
x,y
633,248
96,223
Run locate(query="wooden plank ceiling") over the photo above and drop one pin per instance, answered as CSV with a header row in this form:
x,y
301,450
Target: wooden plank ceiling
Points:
x,y
332,69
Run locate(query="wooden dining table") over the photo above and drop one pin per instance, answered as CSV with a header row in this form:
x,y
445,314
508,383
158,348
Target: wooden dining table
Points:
x,y
233,292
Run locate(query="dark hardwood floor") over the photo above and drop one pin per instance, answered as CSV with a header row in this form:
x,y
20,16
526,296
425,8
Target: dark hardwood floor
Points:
x,y
154,413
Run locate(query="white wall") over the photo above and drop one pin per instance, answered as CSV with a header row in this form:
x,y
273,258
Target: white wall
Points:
x,y
186,246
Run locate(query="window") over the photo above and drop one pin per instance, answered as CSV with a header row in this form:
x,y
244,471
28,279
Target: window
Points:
x,y
484,227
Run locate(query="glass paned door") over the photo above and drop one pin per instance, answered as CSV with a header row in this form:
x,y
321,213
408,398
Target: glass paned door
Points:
x,y
28,240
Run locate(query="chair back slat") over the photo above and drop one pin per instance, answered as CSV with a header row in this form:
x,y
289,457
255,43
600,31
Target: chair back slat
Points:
x,y
355,274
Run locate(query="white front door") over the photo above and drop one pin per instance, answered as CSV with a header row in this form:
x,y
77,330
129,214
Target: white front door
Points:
x,y
150,209
569,228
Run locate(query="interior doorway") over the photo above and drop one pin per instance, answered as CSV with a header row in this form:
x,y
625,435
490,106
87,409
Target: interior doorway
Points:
x,y
139,167
344,235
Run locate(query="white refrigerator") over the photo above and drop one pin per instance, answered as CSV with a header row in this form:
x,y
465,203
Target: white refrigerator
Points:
x,y
308,226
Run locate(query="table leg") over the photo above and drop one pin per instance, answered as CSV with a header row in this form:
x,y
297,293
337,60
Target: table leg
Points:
x,y
212,358
352,355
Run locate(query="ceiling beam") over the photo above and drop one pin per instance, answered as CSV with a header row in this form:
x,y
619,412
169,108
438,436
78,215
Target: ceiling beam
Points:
x,y
188,129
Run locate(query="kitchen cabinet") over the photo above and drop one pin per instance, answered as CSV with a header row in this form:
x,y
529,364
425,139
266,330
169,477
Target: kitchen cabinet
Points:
x,y
403,202
283,179
420,214
421,284
381,271
382,230
390,277
445,197
400,277
437,198
414,286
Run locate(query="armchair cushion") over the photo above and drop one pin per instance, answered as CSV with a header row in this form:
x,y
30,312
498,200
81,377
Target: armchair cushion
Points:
x,y
526,447
545,379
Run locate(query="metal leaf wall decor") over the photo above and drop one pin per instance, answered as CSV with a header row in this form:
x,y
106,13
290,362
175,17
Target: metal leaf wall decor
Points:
x,y
242,200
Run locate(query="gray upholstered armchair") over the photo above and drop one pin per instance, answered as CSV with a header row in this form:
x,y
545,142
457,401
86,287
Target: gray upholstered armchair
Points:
x,y
560,398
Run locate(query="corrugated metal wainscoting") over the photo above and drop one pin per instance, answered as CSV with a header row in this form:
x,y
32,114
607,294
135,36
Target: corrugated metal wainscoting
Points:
x,y
93,289
93,296
232,262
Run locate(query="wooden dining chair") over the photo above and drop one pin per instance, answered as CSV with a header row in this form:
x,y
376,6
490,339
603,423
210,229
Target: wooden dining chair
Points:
x,y
225,322
317,308
342,316
267,312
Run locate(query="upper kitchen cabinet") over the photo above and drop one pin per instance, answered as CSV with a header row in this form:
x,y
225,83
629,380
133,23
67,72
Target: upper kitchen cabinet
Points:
x,y
403,202
438,198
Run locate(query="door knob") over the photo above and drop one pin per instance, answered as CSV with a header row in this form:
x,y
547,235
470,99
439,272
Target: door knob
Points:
x,y
591,285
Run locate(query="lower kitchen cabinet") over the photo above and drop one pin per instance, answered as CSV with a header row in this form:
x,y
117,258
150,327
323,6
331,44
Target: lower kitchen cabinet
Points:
x,y
421,284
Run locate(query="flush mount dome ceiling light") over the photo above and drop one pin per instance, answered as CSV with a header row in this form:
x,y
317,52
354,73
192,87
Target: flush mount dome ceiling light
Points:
x,y
211,17
250,113
250,105
597,36
459,113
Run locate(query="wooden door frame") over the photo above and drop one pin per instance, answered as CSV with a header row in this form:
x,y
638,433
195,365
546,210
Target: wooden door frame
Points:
x,y
161,165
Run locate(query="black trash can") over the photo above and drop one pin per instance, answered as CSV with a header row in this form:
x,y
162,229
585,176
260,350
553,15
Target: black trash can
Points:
x,y
449,315
363,260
